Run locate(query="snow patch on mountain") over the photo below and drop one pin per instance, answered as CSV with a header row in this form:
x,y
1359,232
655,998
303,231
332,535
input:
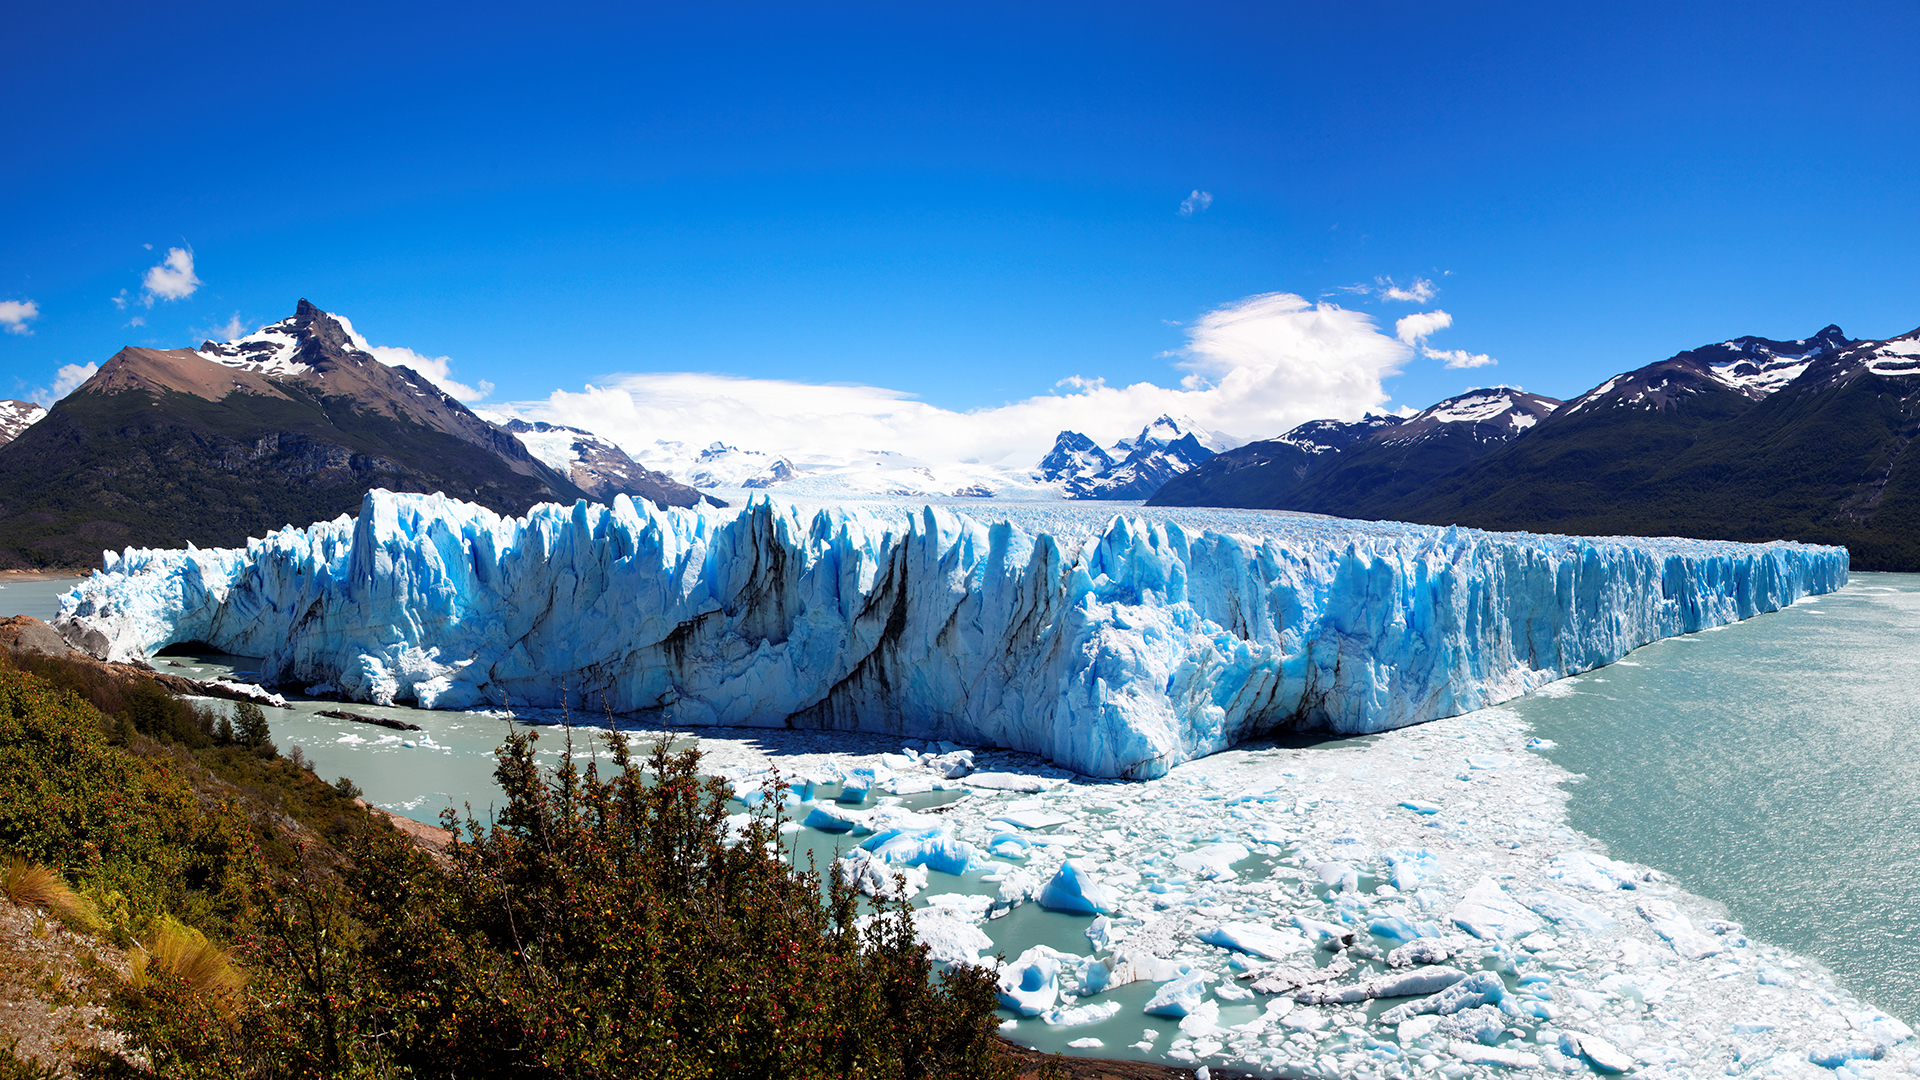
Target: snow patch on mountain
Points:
x,y
267,351
1495,413
1319,437
18,416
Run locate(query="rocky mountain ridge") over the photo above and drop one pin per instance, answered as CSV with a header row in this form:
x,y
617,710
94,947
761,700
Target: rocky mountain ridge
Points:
x,y
286,426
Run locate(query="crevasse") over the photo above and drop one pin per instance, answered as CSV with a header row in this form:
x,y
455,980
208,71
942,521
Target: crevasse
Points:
x,y
1115,651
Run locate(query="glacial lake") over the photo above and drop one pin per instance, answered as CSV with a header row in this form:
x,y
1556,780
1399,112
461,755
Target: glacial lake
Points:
x,y
1772,766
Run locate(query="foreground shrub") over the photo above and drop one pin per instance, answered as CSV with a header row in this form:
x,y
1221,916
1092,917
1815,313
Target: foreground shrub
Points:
x,y
619,928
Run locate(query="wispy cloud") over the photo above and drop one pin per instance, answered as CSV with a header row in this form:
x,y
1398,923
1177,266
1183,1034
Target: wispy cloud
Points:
x,y
1415,329
1418,291
437,369
65,381
232,329
173,279
15,314
1195,203
1253,369
1459,358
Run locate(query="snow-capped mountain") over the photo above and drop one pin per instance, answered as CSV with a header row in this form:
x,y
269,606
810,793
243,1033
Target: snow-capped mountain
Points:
x,y
598,467
16,417
1752,367
1134,468
1341,467
1490,415
1317,437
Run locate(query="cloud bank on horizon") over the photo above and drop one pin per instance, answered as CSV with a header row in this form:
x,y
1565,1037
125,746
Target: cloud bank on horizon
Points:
x,y
1252,369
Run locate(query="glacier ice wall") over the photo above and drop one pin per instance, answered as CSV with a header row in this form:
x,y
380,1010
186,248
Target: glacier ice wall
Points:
x,y
1116,651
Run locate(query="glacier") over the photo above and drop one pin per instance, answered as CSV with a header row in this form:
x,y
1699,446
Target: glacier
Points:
x,y
1117,647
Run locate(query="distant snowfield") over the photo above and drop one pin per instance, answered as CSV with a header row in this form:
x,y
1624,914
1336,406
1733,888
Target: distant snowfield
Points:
x,y
1254,862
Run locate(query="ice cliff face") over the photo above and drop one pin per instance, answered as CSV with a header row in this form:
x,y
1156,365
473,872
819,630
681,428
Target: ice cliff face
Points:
x,y
1117,651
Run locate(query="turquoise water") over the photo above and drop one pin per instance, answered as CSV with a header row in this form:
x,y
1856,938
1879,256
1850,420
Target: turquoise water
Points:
x,y
1773,766
40,599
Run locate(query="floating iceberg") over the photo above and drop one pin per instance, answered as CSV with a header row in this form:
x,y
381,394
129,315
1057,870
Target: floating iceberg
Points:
x,y
1117,647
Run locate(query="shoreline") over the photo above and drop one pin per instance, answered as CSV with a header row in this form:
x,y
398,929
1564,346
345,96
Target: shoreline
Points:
x,y
43,575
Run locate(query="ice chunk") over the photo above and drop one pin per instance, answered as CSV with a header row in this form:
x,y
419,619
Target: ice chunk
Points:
x,y
1427,980
1567,911
1420,951
1412,867
1034,819
1030,985
928,847
952,766
871,874
1480,988
1669,923
1601,1054
1475,1054
836,819
1212,861
1255,939
1586,870
1487,912
1071,890
1119,653
1080,1015
1180,996
1833,1055
949,938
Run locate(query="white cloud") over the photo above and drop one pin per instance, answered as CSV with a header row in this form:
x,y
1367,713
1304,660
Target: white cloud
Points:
x,y
232,330
1195,203
437,369
1459,358
1254,368
1419,292
172,280
1417,327
65,381
14,315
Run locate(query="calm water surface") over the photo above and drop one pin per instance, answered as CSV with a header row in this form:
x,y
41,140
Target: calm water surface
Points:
x,y
1773,766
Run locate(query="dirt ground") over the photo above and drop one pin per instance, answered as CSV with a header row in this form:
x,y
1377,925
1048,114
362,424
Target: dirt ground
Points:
x,y
1080,1068
50,977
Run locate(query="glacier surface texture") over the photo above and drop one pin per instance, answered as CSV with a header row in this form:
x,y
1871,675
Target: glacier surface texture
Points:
x,y
1117,646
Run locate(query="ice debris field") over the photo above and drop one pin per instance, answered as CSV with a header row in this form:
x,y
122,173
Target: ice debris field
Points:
x,y
1116,646
1405,905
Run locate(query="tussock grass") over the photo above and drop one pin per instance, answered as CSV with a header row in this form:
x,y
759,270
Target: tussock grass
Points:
x,y
32,885
183,952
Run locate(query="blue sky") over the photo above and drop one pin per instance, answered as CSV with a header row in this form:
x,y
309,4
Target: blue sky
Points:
x,y
965,206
